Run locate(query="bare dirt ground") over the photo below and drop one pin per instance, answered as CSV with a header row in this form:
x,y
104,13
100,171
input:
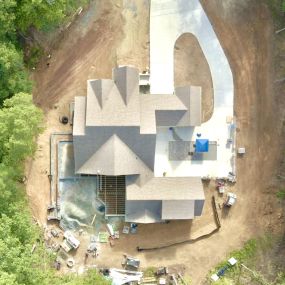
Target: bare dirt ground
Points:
x,y
134,47
94,44
192,68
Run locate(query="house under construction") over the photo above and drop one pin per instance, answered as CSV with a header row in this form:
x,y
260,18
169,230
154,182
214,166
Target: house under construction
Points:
x,y
114,138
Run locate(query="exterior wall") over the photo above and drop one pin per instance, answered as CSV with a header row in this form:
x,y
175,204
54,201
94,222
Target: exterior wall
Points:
x,y
198,208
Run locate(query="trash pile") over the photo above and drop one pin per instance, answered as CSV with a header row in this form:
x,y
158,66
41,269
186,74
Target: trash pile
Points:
x,y
131,275
230,199
65,243
61,243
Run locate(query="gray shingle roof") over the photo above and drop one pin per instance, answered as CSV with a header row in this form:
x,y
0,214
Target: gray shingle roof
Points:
x,y
143,211
105,106
166,188
114,132
114,157
79,116
191,97
178,210
95,137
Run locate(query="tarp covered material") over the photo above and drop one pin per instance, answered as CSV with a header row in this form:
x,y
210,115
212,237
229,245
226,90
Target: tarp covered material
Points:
x,y
120,277
202,145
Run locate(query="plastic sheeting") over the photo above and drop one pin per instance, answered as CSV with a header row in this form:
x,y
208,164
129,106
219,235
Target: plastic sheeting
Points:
x,y
77,194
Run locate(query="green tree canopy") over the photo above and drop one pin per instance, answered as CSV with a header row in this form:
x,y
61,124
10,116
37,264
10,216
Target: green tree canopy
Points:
x,y
13,77
19,124
7,18
7,279
39,13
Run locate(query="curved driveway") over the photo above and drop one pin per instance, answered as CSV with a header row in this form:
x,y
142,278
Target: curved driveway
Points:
x,y
168,20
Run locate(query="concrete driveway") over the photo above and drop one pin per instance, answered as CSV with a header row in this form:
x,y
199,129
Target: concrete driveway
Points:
x,y
168,21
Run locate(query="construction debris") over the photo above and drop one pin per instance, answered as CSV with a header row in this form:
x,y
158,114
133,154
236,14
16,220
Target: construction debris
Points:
x,y
162,271
162,281
93,220
70,262
116,234
93,238
120,277
55,246
181,278
92,247
131,263
111,242
103,237
126,230
70,242
147,280
231,177
54,233
53,213
231,199
134,228
221,186
173,278
231,262
57,265
110,230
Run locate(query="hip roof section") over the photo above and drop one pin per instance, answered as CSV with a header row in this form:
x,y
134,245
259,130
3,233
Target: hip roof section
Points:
x,y
166,188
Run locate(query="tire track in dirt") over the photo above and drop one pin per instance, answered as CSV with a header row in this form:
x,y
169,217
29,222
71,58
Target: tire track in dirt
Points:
x,y
69,71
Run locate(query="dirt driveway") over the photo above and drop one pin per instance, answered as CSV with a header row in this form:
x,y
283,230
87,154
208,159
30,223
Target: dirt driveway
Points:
x,y
96,43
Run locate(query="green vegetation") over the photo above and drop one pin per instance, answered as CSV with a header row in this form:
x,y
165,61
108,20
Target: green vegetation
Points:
x,y
245,272
14,77
150,271
277,8
41,14
281,194
33,56
242,255
16,18
20,123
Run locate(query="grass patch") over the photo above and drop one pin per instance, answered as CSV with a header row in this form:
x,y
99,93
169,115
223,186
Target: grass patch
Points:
x,y
281,194
277,8
187,280
246,256
150,271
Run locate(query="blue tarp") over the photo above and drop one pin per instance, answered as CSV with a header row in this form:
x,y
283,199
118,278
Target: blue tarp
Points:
x,y
202,145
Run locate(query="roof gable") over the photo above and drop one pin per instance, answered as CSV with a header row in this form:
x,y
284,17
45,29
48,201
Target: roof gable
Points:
x,y
114,157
